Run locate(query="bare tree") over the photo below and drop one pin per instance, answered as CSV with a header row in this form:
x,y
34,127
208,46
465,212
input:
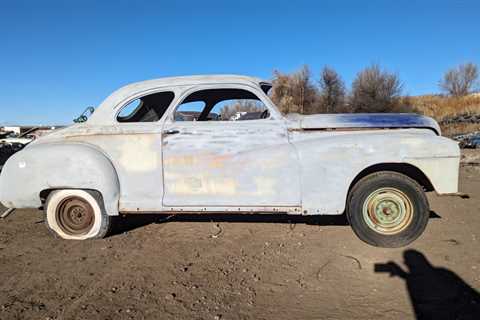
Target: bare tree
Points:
x,y
461,80
375,90
332,91
244,105
295,92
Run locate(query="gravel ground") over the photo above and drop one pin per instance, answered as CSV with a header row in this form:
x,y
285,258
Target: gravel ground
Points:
x,y
245,267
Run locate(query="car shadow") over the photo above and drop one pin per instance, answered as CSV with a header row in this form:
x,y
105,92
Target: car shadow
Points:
x,y
435,292
127,223
130,222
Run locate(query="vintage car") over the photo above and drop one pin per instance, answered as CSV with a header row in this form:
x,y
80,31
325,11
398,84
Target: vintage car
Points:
x,y
180,145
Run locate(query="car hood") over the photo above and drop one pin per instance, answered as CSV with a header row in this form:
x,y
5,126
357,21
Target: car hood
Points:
x,y
363,120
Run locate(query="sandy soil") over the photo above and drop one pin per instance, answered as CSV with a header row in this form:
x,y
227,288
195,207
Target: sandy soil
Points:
x,y
244,267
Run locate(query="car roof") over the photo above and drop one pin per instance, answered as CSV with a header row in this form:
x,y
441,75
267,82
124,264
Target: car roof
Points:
x,y
195,79
104,109
184,81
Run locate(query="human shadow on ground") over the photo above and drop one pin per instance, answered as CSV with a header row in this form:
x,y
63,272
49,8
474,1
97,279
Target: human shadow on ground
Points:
x,y
127,223
435,293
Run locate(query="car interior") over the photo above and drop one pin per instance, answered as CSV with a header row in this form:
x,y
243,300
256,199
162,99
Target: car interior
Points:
x,y
202,105
149,108
221,105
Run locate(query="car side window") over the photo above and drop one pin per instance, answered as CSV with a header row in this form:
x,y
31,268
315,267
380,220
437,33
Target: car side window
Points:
x,y
189,111
221,105
149,108
241,109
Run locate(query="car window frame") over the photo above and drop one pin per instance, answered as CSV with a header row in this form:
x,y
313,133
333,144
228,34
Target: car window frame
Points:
x,y
119,107
273,113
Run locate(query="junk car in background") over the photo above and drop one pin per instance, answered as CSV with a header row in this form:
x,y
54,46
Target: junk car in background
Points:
x,y
11,143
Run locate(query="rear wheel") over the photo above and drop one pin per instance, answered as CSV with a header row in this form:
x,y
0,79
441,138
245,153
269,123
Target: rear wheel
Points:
x,y
76,214
387,209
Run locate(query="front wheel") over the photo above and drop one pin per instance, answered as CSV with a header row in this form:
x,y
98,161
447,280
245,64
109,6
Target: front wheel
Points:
x,y
387,209
76,214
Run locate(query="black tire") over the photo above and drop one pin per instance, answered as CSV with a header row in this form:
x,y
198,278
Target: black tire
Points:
x,y
101,221
365,223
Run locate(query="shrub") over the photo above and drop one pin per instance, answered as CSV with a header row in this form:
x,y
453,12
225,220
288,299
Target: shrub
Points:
x,y
295,93
460,81
332,91
375,90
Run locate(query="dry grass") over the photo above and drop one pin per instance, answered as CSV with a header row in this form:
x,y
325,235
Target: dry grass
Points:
x,y
459,128
439,107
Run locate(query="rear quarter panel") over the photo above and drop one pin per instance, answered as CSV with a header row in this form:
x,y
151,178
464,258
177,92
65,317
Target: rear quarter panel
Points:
x,y
57,166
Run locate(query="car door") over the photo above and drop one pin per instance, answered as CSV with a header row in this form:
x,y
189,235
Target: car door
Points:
x,y
238,165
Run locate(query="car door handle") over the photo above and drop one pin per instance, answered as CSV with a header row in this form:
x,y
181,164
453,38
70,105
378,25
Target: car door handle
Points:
x,y
171,131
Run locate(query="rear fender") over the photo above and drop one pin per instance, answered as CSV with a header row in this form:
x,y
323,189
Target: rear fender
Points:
x,y
50,166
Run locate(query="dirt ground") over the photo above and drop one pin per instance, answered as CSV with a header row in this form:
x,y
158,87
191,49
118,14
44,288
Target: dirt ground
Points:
x,y
245,267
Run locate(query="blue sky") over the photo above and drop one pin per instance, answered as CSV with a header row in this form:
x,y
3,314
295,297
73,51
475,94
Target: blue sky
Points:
x,y
57,57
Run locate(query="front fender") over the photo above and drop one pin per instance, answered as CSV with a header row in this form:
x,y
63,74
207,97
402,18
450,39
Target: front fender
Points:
x,y
57,166
330,161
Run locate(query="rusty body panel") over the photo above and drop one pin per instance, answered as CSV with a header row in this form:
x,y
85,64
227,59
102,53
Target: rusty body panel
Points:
x,y
294,164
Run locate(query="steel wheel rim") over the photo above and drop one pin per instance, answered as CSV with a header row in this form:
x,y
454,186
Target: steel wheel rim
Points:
x,y
387,211
75,216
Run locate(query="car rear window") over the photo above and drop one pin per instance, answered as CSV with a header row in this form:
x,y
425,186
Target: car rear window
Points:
x,y
149,108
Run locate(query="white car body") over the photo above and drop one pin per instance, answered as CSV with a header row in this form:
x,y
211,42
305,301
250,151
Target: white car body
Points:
x,y
293,164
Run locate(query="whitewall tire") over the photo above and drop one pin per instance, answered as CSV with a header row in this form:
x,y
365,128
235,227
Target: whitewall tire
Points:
x,y
76,214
